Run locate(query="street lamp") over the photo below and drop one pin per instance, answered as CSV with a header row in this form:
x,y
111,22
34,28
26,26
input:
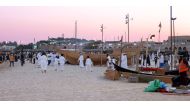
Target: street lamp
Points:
x,y
127,19
173,19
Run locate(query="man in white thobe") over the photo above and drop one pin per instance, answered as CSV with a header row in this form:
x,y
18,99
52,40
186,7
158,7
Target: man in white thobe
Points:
x,y
124,61
43,62
161,60
39,57
108,61
89,64
62,62
81,61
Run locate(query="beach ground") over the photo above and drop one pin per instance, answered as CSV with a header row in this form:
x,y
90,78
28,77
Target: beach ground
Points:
x,y
27,83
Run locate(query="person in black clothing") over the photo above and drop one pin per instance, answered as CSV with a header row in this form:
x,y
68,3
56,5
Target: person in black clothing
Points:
x,y
185,54
148,60
156,60
7,57
16,58
34,58
30,57
144,58
1,58
22,59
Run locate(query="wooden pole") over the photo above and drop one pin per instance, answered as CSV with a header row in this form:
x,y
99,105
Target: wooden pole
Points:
x,y
121,48
171,37
102,30
75,35
128,28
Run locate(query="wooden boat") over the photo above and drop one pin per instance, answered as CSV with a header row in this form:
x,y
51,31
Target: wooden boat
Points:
x,y
144,77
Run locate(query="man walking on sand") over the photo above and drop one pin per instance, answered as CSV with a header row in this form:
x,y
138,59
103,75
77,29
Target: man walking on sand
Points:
x,y
88,64
124,61
12,59
81,60
62,62
43,62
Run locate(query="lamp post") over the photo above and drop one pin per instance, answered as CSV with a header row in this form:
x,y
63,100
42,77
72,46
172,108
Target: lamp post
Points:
x,y
173,20
127,20
171,37
172,32
75,35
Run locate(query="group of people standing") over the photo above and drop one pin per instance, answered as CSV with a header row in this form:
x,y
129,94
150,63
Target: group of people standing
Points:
x,y
12,58
111,61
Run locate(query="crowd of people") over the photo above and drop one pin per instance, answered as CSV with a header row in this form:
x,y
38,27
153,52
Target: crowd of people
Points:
x,y
43,60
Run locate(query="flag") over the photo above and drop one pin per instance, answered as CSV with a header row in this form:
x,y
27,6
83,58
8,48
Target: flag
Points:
x,y
152,36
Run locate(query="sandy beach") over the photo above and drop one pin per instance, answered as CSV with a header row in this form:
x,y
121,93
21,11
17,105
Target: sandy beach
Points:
x,y
73,84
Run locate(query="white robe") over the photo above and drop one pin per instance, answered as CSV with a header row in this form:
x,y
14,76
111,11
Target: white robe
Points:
x,y
88,64
81,61
39,56
124,61
56,63
108,61
43,62
161,59
62,62
153,56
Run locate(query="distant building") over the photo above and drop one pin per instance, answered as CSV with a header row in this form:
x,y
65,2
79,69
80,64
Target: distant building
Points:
x,y
112,44
178,41
7,47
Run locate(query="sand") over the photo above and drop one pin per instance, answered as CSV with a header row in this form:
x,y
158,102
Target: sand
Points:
x,y
28,83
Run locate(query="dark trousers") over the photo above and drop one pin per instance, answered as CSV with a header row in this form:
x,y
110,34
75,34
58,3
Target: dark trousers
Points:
x,y
182,79
22,62
34,61
49,61
155,63
11,63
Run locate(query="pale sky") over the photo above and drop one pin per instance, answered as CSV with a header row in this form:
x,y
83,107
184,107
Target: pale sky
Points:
x,y
20,20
